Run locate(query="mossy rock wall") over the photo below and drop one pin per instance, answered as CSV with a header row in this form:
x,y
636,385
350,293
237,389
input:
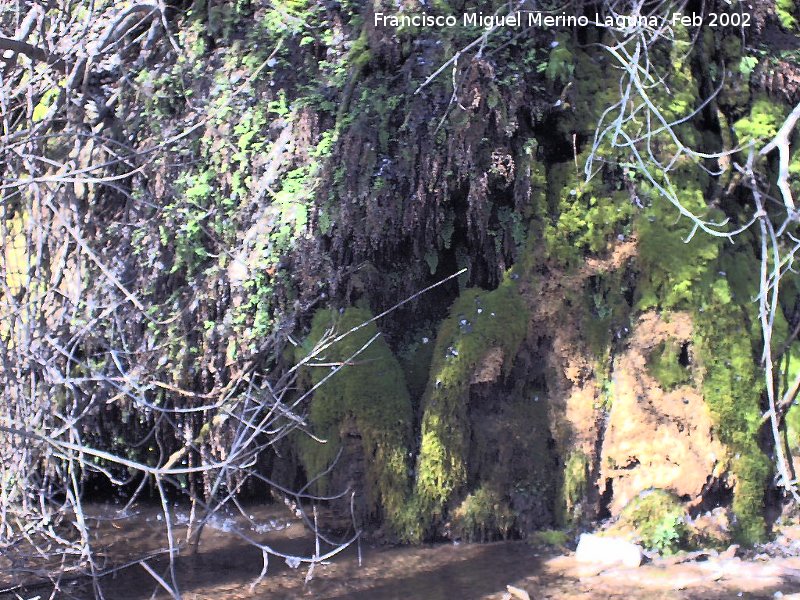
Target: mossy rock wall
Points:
x,y
501,182
324,163
675,271
708,278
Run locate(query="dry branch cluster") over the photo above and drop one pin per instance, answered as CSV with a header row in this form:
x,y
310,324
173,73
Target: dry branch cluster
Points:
x,y
90,392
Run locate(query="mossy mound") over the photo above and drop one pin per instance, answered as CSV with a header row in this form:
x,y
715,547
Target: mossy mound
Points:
x,y
658,519
483,516
366,400
481,324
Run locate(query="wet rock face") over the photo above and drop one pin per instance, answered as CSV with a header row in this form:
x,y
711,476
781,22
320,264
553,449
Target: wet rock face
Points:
x,y
656,437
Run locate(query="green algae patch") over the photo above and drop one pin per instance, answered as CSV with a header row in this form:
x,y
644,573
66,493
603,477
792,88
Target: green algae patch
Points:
x,y
480,323
658,519
366,399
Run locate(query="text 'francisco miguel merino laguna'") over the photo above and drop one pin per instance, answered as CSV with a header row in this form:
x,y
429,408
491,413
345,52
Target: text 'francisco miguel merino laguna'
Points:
x,y
537,19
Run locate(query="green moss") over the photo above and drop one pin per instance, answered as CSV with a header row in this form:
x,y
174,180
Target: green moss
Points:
x,y
659,520
551,537
793,429
732,388
561,62
664,364
573,488
674,273
478,321
714,281
360,53
588,214
593,95
481,516
791,367
371,395
763,121
585,216
785,10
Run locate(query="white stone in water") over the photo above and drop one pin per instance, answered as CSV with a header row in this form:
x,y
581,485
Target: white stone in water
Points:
x,y
607,551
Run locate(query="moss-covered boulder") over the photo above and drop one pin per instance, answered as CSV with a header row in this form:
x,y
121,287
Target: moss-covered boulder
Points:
x,y
657,519
363,413
476,344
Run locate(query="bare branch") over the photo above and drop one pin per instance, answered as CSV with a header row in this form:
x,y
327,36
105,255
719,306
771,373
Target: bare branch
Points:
x,y
33,52
781,142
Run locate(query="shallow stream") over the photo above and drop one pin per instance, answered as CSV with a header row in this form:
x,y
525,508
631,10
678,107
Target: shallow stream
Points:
x,y
225,567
